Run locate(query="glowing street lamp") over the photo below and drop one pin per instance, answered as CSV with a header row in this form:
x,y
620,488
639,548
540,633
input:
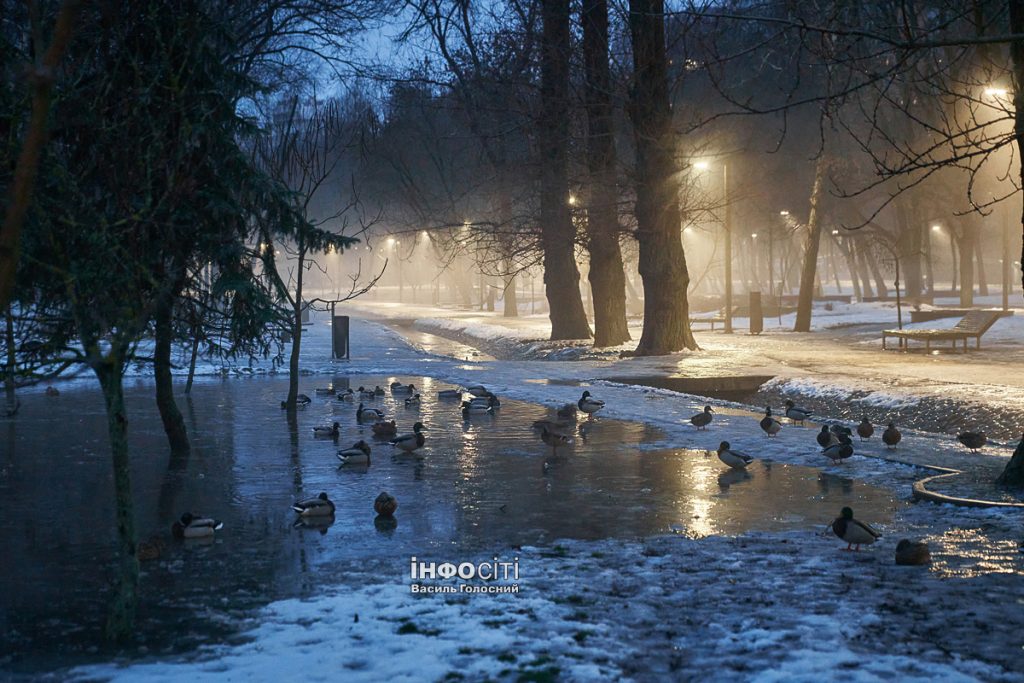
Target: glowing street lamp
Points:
x,y
996,93
701,165
783,213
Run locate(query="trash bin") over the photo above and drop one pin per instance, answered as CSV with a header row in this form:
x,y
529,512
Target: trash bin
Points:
x,y
756,314
339,337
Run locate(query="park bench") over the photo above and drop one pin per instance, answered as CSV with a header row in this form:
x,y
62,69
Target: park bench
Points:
x,y
974,324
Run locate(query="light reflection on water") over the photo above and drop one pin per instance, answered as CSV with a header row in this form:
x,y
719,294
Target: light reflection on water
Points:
x,y
476,485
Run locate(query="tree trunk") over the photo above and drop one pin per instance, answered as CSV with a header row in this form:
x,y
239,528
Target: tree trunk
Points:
x,y
607,277
982,277
293,360
909,245
511,298
1013,475
966,244
1016,17
192,361
174,423
558,234
876,272
662,259
120,620
846,248
809,272
862,269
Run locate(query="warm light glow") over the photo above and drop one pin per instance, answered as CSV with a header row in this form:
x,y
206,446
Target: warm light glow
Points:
x,y
701,165
936,228
754,235
687,231
835,232
391,241
425,234
783,213
572,200
996,93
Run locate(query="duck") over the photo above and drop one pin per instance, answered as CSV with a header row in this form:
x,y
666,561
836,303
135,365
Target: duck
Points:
x,y
477,389
365,394
567,412
703,419
769,424
838,451
399,388
865,429
826,438
589,405
489,400
347,395
840,431
357,454
470,408
551,425
377,391
327,431
368,414
973,440
385,430
410,442
891,436
315,507
301,401
796,414
324,391
554,439
52,391
734,459
912,552
193,526
412,401
385,504
449,394
853,532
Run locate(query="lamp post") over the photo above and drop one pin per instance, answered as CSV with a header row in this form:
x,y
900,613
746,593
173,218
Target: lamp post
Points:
x,y
727,227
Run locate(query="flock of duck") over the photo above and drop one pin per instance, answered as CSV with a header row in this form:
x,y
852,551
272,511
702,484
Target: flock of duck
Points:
x,y
835,440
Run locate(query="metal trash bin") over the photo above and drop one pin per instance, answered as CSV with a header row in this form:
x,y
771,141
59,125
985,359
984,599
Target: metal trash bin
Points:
x,y
756,314
339,337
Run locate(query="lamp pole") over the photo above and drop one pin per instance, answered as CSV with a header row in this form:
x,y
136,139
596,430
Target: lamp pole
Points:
x,y
728,249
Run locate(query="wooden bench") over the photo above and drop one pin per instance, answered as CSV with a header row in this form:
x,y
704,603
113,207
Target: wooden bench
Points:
x,y
974,324
712,320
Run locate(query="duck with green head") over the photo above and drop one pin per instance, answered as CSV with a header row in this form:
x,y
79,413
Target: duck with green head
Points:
x,y
854,532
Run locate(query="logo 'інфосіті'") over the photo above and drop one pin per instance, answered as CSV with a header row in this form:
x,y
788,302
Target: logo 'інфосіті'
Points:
x,y
495,570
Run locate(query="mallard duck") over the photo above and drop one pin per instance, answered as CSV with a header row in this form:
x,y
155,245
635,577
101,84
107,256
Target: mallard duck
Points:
x,y
973,440
796,414
385,504
191,526
567,412
825,437
327,431
865,429
324,391
769,424
347,395
487,399
551,425
912,552
589,405
410,442
385,430
891,436
554,439
315,507
702,420
469,408
853,532
838,452
377,391
357,454
368,414
403,389
733,459
476,389
449,394
301,401
412,401
365,394
841,430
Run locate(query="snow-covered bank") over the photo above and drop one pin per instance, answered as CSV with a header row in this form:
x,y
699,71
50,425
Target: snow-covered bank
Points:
x,y
765,607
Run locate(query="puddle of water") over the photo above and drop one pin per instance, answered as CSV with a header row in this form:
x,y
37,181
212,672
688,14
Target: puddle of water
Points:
x,y
477,485
970,552
442,346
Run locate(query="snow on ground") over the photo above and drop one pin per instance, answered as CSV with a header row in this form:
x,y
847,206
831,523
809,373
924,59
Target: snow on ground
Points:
x,y
761,606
